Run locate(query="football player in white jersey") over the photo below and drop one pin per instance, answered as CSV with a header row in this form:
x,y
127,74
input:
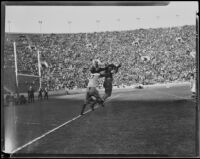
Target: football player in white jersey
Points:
x,y
92,94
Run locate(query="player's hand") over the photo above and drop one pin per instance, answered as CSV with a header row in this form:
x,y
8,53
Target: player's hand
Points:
x,y
119,65
102,73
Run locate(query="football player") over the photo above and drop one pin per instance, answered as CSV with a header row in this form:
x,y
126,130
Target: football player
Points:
x,y
46,96
92,94
40,94
108,79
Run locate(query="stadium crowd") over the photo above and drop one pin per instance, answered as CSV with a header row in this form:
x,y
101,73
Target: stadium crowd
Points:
x,y
148,56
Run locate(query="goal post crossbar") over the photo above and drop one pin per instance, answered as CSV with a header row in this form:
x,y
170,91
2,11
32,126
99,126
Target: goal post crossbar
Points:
x,y
21,74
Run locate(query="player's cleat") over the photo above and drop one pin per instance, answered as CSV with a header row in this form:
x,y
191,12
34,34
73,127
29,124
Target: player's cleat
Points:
x,y
83,108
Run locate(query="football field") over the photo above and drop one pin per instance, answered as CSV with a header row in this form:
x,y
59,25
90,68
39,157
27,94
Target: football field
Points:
x,y
151,121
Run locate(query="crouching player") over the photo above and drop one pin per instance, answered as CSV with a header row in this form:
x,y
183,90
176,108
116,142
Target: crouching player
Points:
x,y
92,94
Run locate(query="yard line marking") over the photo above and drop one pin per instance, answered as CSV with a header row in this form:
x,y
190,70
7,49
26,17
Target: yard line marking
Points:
x,y
180,97
48,132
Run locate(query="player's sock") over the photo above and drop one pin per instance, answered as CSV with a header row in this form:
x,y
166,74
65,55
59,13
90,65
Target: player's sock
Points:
x,y
92,106
83,109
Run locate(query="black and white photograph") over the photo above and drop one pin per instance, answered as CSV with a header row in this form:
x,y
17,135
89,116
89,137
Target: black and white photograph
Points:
x,y
89,79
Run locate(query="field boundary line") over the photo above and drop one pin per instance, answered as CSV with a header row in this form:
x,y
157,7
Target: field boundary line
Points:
x,y
50,131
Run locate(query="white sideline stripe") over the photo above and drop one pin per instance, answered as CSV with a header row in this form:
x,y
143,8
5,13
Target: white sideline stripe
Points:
x,y
48,132
173,95
38,138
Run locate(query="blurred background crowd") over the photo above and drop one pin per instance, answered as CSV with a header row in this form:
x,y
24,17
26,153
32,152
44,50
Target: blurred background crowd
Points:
x,y
148,56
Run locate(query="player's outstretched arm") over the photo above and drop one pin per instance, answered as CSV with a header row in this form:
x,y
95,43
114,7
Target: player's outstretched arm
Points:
x,y
117,67
97,70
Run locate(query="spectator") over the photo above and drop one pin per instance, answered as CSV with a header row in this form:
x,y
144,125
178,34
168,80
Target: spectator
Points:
x,y
68,55
46,96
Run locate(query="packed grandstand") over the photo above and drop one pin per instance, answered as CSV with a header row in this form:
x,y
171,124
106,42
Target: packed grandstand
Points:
x,y
167,52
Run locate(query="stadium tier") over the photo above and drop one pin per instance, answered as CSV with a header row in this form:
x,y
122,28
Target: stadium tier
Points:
x,y
68,55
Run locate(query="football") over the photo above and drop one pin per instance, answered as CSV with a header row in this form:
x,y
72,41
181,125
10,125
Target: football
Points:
x,y
44,64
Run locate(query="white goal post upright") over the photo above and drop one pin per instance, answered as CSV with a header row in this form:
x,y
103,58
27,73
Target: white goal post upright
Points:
x,y
39,67
21,74
16,70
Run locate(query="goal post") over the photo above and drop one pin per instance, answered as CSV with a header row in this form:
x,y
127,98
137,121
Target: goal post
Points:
x,y
17,73
39,67
16,68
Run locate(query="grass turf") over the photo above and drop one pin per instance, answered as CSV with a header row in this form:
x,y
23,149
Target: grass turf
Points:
x,y
136,122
